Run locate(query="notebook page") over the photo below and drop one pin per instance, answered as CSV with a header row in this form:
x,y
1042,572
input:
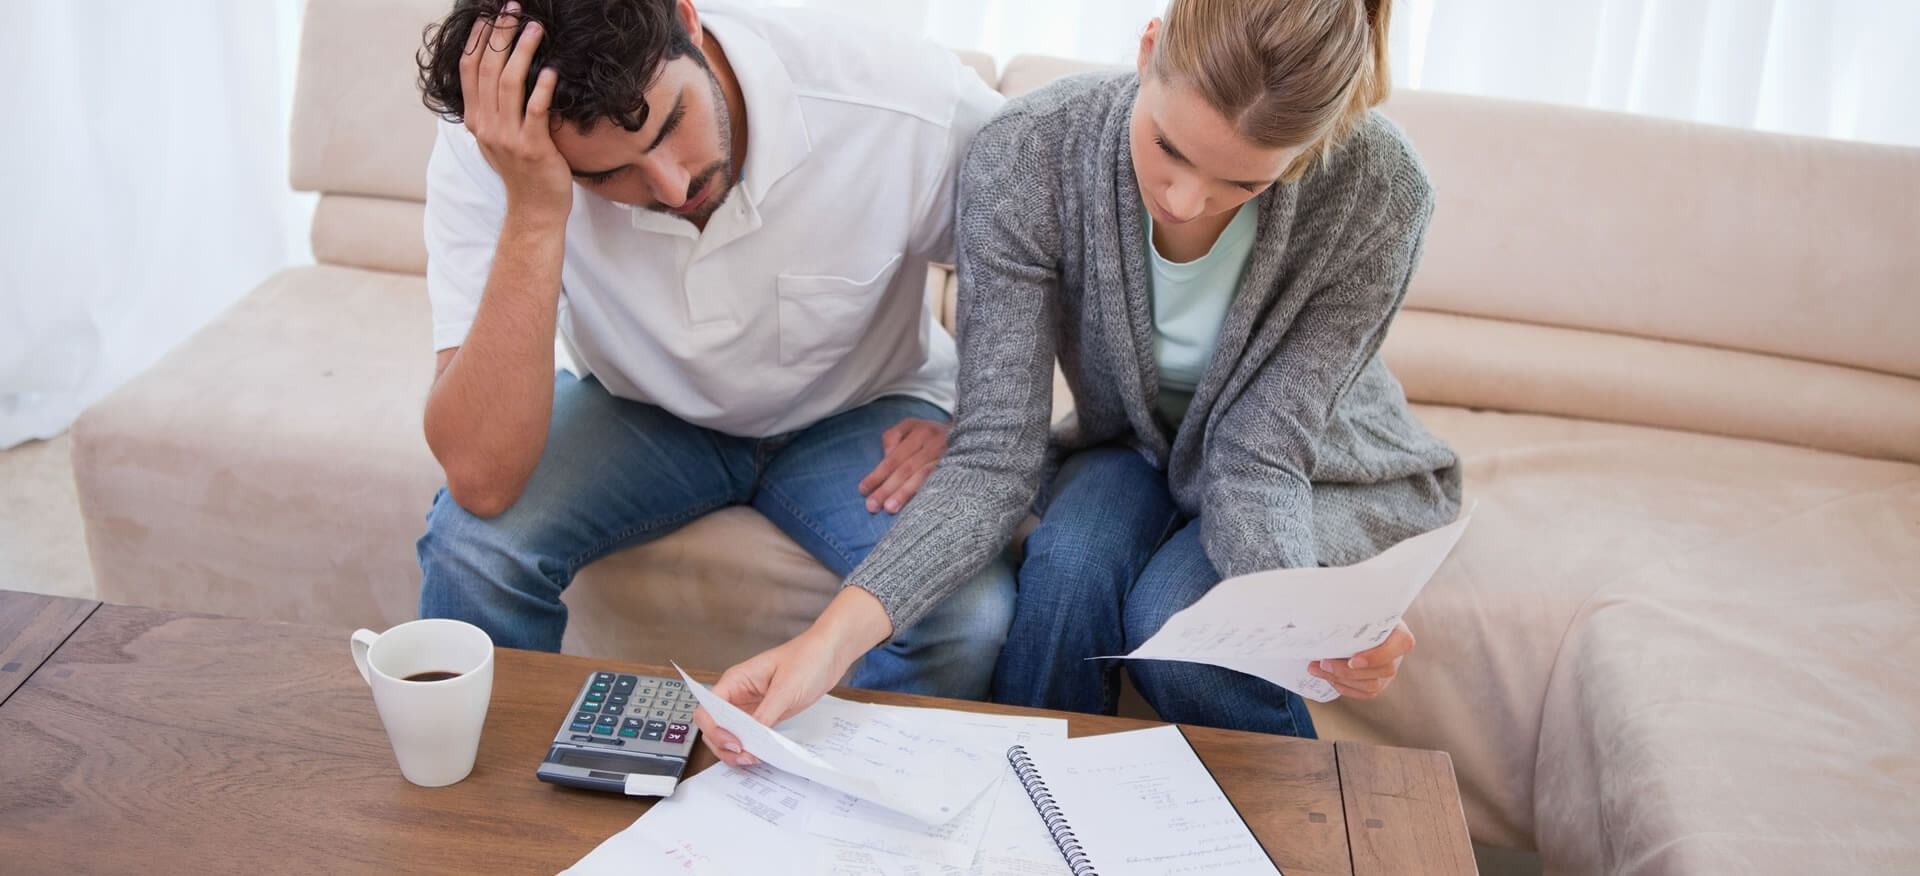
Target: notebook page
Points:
x,y
1140,803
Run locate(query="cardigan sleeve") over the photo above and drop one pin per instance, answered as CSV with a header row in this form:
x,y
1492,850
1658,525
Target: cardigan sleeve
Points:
x,y
1006,243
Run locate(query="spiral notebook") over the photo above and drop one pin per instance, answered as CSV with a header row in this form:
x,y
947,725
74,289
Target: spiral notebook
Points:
x,y
1139,802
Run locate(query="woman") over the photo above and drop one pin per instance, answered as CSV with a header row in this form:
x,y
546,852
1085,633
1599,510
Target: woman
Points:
x,y
1213,248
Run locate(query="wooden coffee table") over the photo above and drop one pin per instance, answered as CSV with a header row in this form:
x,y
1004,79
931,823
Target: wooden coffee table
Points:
x,y
134,740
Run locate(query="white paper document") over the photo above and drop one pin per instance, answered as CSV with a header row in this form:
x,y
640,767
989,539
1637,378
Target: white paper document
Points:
x,y
764,819
1273,624
873,737
855,752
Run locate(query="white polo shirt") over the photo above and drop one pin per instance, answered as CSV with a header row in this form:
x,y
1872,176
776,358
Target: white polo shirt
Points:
x,y
805,296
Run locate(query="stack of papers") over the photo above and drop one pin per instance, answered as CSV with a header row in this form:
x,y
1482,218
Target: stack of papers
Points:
x,y
849,789
852,789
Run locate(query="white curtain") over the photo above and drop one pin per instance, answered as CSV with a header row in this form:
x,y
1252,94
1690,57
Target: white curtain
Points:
x,y
144,184
144,153
1847,69
1843,69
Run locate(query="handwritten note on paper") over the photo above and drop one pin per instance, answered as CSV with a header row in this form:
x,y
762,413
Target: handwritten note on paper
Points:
x,y
1273,624
978,745
722,821
1016,844
1141,803
875,759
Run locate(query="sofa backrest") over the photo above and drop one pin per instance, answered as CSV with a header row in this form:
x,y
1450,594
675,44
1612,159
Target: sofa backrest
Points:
x,y
1605,266
361,136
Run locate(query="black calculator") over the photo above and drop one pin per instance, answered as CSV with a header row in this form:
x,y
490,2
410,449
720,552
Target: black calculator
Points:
x,y
628,734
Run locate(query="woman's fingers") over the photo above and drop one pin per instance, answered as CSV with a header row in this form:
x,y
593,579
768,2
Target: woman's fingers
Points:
x,y
1343,670
1349,685
1364,690
1397,645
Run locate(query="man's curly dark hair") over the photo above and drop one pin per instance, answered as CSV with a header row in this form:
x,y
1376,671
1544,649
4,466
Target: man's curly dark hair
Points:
x,y
606,53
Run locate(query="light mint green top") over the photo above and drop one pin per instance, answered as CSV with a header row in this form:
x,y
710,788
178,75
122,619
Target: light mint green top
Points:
x,y
1189,304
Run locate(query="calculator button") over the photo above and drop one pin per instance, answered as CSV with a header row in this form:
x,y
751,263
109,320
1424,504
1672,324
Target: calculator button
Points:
x,y
671,684
609,720
603,676
603,730
632,722
659,714
630,732
654,731
649,681
678,727
600,686
626,681
582,716
682,716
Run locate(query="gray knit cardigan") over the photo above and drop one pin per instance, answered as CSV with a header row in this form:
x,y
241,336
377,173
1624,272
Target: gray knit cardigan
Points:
x,y
1298,448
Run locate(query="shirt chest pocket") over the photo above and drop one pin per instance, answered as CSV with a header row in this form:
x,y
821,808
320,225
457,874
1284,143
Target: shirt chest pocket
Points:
x,y
824,316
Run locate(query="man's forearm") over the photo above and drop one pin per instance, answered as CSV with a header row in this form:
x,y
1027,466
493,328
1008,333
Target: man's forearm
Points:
x,y
488,413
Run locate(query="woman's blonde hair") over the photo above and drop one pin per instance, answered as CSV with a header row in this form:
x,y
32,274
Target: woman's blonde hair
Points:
x,y
1284,72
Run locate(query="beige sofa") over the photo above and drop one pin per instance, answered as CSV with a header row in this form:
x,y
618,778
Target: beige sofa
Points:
x,y
1682,365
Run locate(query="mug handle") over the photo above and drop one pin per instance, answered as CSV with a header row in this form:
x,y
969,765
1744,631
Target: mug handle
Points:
x,y
362,640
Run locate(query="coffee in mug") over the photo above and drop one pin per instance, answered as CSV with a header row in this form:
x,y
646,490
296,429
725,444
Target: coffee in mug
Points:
x,y
431,681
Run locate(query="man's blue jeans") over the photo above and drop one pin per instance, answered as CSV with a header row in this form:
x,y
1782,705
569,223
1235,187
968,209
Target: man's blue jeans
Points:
x,y
1111,560
617,473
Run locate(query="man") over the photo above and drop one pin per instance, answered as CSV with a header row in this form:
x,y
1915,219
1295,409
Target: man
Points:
x,y
728,219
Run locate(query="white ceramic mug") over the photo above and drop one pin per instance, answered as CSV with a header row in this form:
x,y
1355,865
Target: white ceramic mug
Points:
x,y
434,725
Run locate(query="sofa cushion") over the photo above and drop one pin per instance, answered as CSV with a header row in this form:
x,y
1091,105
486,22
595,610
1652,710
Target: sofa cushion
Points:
x,y
1575,516
1747,705
1470,361
274,467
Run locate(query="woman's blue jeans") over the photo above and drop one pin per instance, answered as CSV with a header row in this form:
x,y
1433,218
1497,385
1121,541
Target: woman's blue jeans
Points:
x,y
1111,560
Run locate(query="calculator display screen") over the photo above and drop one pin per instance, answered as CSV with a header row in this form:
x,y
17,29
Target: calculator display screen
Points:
x,y
594,760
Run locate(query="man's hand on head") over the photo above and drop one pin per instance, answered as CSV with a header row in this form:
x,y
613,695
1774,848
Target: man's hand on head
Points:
x,y
510,125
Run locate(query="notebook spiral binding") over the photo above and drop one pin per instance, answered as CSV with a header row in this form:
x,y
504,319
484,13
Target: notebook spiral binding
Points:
x,y
1055,820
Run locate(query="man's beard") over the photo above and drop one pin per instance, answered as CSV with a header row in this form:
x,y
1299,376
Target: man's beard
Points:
x,y
722,170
